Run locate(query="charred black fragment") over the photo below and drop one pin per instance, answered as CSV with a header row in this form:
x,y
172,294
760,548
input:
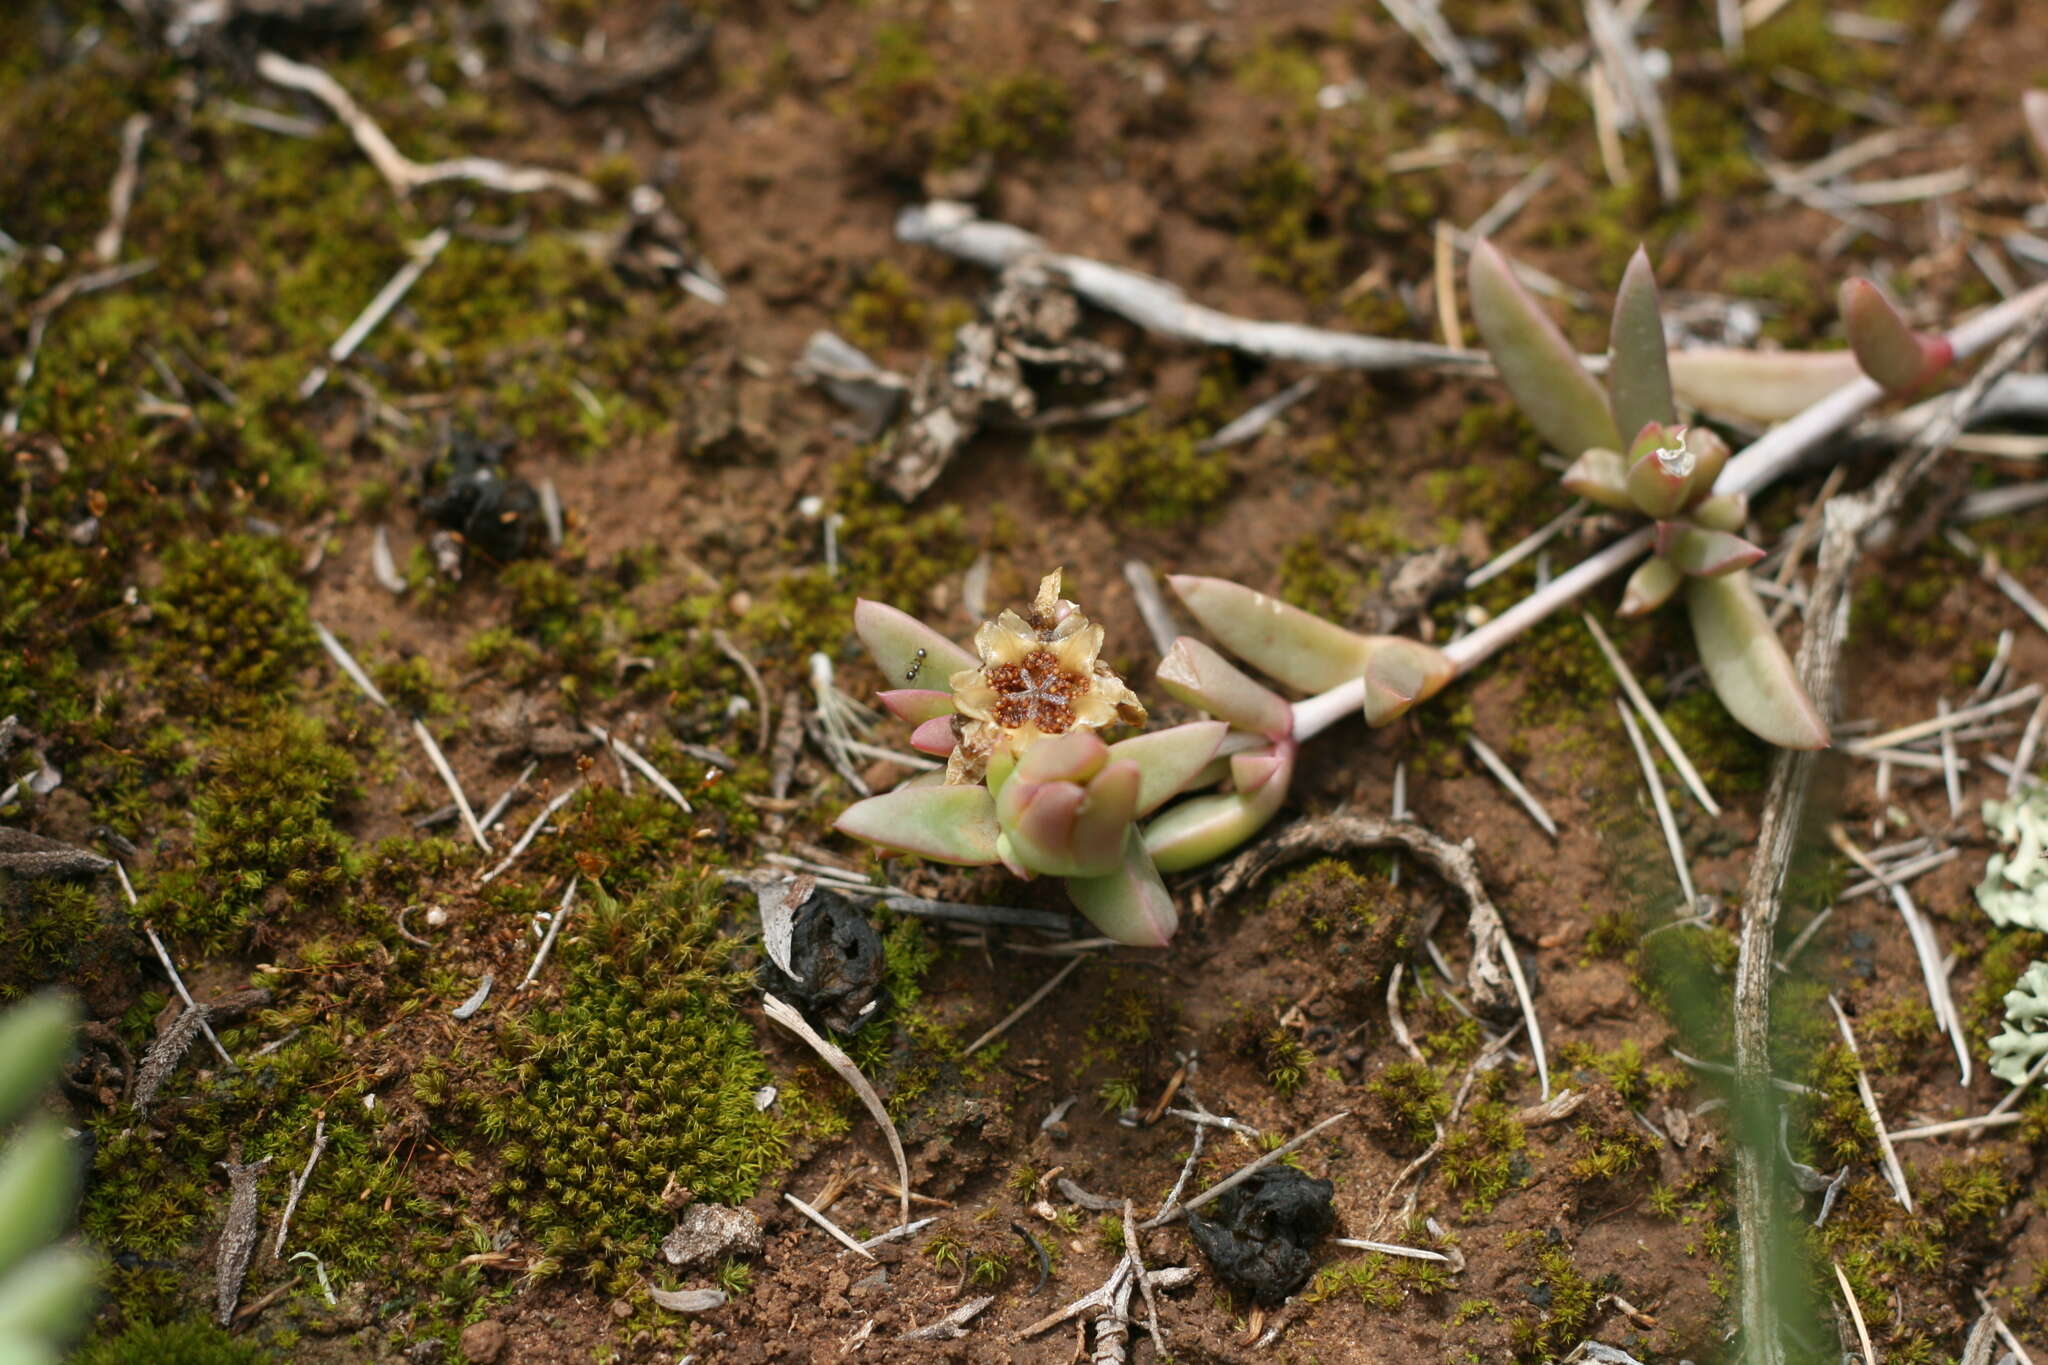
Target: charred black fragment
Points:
x,y
835,959
1261,1237
466,490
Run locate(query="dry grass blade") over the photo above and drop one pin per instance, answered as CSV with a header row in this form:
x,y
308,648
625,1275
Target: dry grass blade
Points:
x,y
1666,741
1526,546
1506,776
1631,78
1947,720
1389,1249
838,1233
346,662
639,761
448,778
171,970
1030,1003
1672,842
1152,608
1856,1314
121,194
424,254
1894,1172
1253,1167
848,1072
547,942
532,830
753,677
291,1203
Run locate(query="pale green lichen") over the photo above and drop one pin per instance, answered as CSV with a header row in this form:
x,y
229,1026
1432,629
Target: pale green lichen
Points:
x,y
2025,1036
2015,886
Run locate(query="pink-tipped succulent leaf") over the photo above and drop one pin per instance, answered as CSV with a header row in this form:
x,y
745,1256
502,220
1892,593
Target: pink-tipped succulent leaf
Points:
x,y
1169,760
916,704
1063,811
935,736
1650,586
1280,640
1722,512
1639,374
1660,471
909,652
1194,673
1890,351
1204,828
1701,553
1566,405
1401,674
1748,667
945,824
1600,476
1129,904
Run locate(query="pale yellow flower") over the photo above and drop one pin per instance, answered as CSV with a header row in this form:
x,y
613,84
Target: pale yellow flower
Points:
x,y
1039,676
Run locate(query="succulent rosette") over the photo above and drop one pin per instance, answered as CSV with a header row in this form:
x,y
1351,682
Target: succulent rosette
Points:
x,y
1029,781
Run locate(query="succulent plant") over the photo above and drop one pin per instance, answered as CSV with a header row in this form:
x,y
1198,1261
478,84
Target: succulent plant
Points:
x,y
45,1289
1029,781
1665,472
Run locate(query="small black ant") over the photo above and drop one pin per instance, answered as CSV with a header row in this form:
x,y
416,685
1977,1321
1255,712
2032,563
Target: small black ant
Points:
x,y
916,663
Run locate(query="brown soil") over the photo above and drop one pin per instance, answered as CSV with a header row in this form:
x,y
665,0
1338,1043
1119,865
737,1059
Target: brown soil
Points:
x,y
758,149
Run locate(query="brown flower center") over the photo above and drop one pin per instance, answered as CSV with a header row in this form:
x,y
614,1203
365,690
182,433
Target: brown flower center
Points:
x,y
1035,691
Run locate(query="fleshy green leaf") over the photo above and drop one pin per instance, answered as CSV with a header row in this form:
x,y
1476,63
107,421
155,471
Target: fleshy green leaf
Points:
x,y
1758,387
1064,829
1566,405
1249,772
1203,828
38,1187
909,652
1703,553
1660,472
1638,373
47,1299
1074,756
1169,760
1276,639
1722,512
1710,456
1131,904
946,824
1749,669
1600,476
35,1037
1892,353
1650,586
1281,641
1400,674
917,704
1193,673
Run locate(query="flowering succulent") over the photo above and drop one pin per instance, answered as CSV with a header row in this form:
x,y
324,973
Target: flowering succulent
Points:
x,y
1667,475
1029,781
